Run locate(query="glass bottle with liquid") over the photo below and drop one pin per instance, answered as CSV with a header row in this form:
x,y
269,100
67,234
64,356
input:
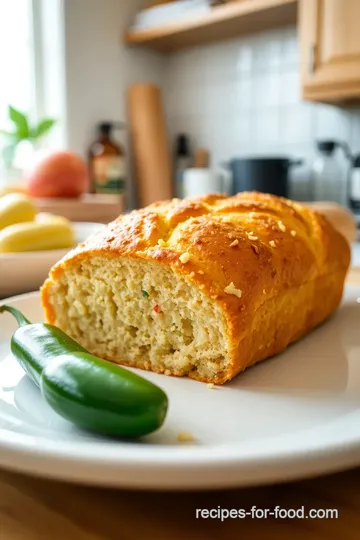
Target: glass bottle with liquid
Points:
x,y
107,162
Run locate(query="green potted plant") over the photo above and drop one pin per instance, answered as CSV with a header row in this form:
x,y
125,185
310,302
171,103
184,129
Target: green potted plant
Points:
x,y
21,133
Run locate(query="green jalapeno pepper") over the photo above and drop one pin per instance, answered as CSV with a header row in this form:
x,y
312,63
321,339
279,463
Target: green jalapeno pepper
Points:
x,y
88,391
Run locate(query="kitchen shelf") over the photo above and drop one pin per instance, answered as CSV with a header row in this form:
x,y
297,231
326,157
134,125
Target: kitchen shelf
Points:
x,y
222,22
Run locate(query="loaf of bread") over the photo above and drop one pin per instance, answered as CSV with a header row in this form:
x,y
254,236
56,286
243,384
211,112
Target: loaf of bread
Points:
x,y
200,287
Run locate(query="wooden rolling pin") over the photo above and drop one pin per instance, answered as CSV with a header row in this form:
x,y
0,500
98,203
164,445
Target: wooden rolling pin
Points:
x,y
340,217
150,144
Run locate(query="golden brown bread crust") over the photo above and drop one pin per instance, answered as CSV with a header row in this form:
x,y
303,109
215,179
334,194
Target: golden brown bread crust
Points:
x,y
285,263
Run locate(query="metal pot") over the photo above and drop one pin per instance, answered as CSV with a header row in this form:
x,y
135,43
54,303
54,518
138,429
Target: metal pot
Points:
x,y
267,175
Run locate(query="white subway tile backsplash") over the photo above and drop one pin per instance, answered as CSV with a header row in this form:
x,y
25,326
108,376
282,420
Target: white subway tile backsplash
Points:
x,y
219,62
267,48
332,122
186,67
229,131
194,100
243,130
296,124
242,97
265,127
216,137
219,99
289,83
289,48
170,102
266,89
244,57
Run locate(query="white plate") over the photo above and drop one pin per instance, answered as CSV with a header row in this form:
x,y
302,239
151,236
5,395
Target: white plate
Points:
x,y
24,272
293,416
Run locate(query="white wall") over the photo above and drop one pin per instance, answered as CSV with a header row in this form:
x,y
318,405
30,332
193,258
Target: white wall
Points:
x,y
242,97
236,98
99,67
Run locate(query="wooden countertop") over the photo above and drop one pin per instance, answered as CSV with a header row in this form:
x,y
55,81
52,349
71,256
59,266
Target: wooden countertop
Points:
x,y
34,509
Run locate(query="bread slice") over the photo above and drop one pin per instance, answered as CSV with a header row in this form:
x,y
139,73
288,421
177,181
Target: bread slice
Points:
x,y
200,288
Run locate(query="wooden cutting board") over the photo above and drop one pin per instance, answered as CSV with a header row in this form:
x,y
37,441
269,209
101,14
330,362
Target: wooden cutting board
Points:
x,y
94,208
341,218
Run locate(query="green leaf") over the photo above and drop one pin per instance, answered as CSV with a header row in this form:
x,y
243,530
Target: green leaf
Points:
x,y
145,293
43,127
21,123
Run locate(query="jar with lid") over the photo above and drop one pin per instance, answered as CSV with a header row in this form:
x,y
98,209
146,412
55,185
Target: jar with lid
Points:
x,y
328,177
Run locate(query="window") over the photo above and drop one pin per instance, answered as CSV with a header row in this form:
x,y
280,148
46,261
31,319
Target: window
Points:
x,y
16,57
32,70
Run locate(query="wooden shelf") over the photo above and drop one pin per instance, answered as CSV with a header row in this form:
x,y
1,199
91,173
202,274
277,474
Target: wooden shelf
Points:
x,y
226,21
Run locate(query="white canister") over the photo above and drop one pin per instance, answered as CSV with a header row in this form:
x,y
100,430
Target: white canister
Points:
x,y
198,182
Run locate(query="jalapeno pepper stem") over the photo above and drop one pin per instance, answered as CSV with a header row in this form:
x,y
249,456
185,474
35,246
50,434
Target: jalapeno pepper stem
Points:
x,y
20,318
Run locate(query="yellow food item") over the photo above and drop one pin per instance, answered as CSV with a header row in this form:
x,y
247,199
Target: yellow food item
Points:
x,y
202,287
16,208
33,236
46,217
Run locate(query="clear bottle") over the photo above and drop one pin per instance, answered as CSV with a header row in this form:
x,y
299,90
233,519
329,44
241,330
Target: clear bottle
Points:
x,y
328,178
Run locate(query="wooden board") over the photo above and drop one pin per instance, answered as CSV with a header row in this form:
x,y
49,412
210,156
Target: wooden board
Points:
x,y
223,22
150,143
94,208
